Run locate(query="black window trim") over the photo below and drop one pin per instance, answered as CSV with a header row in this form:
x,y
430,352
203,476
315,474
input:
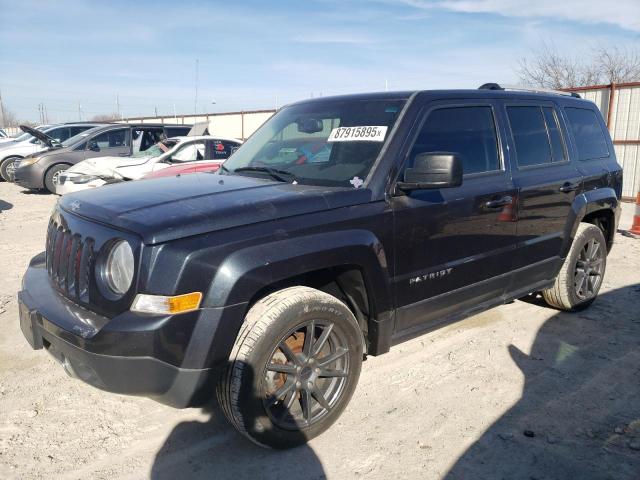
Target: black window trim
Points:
x,y
596,112
458,103
541,105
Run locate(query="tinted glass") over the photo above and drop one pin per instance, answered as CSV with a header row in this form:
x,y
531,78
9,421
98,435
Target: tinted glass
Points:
x,y
59,134
77,130
222,149
111,139
468,131
530,135
555,136
587,133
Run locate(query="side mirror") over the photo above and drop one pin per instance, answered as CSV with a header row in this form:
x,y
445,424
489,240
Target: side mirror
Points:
x,y
93,146
433,170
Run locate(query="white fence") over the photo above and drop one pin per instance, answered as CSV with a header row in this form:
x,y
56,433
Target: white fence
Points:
x,y
620,106
232,124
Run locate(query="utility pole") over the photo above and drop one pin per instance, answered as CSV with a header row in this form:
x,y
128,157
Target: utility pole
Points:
x,y
195,102
79,112
175,117
386,85
4,120
118,107
156,110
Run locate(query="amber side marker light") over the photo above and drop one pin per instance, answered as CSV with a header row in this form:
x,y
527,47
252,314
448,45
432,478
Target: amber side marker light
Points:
x,y
162,304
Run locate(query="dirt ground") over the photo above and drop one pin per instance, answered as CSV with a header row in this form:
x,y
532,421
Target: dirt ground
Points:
x,y
454,403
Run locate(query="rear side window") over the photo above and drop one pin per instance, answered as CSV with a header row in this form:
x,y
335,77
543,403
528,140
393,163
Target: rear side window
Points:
x,y
529,135
59,134
558,151
587,133
76,130
467,131
222,149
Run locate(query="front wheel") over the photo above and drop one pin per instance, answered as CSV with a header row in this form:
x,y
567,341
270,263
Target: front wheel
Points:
x,y
581,275
52,176
293,369
8,168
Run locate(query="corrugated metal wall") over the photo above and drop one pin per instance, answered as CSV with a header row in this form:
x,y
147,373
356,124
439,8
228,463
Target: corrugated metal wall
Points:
x,y
624,125
233,124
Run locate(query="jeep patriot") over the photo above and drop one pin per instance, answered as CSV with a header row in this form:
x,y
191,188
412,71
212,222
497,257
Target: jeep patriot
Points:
x,y
343,226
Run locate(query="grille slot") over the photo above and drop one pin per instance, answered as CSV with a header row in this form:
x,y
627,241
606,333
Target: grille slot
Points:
x,y
68,260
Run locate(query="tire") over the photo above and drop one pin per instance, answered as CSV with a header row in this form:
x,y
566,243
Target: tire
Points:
x,y
581,275
51,175
264,389
4,168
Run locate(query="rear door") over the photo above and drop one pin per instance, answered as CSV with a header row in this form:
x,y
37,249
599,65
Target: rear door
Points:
x,y
546,181
454,245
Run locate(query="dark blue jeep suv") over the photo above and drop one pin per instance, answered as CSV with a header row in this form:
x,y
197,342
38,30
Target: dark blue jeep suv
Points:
x,y
343,226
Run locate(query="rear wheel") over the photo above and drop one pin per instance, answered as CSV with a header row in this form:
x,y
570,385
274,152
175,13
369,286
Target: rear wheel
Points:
x,y
581,275
293,368
52,175
8,168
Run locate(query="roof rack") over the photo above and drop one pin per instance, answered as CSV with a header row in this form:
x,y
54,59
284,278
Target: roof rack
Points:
x,y
496,86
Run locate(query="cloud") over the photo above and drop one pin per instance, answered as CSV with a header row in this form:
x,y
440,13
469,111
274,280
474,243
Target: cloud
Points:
x,y
622,13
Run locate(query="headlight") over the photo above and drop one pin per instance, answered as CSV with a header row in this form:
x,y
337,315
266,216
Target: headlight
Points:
x,y
119,267
28,161
83,178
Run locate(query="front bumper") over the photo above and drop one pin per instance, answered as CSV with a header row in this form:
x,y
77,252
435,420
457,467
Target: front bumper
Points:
x,y
30,176
173,359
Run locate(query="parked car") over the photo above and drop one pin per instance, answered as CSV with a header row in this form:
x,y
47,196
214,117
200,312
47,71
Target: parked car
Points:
x,y
42,170
20,138
99,171
50,136
207,166
3,134
271,279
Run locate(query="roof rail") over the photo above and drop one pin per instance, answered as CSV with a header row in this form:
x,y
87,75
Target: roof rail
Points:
x,y
496,86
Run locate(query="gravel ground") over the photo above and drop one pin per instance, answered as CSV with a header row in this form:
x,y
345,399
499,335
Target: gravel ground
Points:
x,y
520,391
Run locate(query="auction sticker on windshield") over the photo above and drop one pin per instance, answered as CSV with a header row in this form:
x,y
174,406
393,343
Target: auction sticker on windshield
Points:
x,y
358,134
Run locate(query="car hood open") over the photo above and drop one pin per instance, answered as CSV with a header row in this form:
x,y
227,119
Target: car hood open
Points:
x,y
164,209
43,137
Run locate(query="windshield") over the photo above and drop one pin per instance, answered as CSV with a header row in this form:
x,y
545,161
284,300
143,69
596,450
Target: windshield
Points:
x,y
330,143
157,149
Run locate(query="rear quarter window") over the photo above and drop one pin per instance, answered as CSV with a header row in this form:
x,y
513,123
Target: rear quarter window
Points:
x,y
587,133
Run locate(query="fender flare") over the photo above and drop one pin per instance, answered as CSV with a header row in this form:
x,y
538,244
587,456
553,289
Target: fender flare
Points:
x,y
584,204
245,272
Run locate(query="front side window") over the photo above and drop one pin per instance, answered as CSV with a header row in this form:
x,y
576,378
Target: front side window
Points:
x,y
111,139
222,149
587,133
468,131
189,153
329,143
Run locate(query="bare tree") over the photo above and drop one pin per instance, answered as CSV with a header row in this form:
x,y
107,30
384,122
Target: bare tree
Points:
x,y
9,118
105,118
550,69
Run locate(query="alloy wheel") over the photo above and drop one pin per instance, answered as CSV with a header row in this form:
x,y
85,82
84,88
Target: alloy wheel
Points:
x,y
306,375
588,272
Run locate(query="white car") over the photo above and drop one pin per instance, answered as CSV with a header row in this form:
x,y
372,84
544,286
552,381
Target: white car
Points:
x,y
99,171
26,144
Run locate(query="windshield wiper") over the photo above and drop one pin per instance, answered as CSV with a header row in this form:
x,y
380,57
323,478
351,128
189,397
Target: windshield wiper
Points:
x,y
274,172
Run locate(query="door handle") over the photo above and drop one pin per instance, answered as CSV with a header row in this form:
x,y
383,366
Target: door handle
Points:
x,y
501,202
126,154
569,187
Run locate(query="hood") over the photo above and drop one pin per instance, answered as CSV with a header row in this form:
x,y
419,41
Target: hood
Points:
x,y
106,166
165,209
43,137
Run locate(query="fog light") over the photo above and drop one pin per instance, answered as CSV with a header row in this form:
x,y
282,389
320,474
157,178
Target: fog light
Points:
x,y
162,304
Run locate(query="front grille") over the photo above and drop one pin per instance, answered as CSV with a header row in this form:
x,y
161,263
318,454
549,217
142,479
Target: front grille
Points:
x,y
69,261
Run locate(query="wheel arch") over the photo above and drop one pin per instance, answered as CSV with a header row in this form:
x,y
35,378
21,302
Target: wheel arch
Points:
x,y
600,207
351,265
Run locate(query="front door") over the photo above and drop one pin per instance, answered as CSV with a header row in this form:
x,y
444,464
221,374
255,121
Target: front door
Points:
x,y
454,245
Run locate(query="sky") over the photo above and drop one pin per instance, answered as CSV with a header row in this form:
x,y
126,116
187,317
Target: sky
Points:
x,y
72,55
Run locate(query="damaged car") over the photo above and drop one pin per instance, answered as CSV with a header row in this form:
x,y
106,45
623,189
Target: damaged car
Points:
x,y
190,151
